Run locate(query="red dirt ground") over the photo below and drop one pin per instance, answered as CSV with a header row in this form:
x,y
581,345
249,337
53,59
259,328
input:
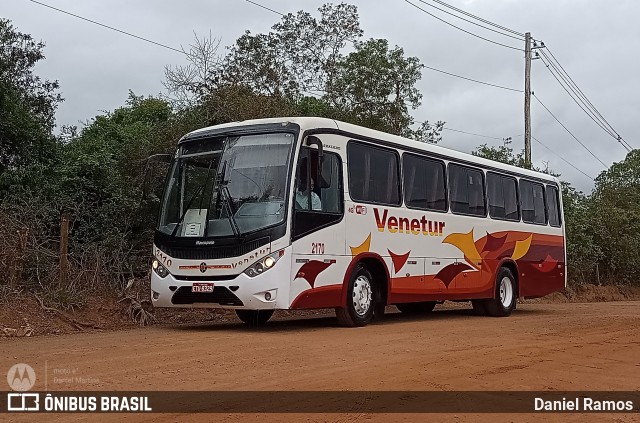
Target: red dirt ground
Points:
x,y
542,346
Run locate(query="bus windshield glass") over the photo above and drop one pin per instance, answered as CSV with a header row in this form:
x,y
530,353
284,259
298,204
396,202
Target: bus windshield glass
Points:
x,y
226,186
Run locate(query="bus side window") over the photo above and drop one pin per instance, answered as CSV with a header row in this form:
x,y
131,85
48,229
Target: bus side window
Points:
x,y
374,174
424,185
553,206
466,188
316,207
532,200
503,197
330,196
310,195
305,196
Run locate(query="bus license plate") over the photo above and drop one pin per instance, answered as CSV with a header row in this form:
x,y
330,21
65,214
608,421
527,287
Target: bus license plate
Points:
x,y
202,287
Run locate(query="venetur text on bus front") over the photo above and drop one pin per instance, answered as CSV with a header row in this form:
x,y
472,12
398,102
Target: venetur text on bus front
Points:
x,y
405,225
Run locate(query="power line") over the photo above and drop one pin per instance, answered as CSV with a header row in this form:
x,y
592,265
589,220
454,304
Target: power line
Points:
x,y
570,133
534,138
426,67
588,108
562,158
470,21
550,67
142,38
593,112
256,4
461,29
478,18
108,27
558,155
571,83
471,133
578,88
474,80
265,7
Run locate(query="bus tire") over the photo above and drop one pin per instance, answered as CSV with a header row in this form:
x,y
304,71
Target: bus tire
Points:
x,y
378,310
417,308
360,306
506,296
254,318
478,307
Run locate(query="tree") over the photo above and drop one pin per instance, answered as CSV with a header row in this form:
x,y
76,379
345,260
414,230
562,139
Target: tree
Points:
x,y
188,84
583,250
427,132
299,56
299,69
311,48
27,103
374,86
615,219
502,154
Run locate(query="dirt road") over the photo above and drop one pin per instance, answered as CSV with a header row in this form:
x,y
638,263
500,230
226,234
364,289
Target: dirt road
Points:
x,y
541,347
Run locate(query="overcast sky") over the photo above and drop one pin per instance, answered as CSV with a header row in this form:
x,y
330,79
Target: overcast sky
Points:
x,y
597,42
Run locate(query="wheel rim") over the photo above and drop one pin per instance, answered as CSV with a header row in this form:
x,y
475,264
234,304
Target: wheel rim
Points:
x,y
361,295
506,292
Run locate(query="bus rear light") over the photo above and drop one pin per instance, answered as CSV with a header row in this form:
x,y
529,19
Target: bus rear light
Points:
x,y
264,264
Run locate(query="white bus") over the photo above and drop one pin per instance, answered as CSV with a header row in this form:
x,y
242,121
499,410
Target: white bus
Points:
x,y
302,213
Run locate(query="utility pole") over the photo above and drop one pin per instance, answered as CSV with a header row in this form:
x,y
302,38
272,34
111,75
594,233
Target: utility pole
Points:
x,y
527,100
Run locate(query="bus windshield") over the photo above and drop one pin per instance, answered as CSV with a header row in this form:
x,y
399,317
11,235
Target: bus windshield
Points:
x,y
227,186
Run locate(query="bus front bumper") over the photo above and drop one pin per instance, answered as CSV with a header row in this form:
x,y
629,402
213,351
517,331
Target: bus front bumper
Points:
x,y
266,291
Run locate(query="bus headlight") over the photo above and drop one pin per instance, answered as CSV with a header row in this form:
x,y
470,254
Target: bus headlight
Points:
x,y
159,269
264,264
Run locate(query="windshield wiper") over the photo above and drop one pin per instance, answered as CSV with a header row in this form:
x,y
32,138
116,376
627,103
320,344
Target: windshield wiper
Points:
x,y
192,199
223,191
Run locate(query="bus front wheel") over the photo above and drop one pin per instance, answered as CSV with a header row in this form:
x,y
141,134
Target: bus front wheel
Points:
x,y
506,295
359,309
254,318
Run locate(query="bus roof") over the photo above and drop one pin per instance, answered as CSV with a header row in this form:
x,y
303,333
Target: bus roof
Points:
x,y
333,126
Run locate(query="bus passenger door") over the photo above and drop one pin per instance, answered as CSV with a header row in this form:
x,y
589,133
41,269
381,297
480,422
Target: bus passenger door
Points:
x,y
317,231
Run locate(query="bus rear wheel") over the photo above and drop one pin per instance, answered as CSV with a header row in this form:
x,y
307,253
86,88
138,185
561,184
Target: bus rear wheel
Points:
x,y
254,318
478,307
506,295
417,308
359,309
